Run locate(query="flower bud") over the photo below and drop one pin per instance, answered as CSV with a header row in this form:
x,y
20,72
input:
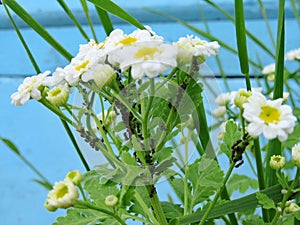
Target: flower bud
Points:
x,y
74,176
291,208
277,162
241,97
63,195
296,154
57,96
111,200
49,207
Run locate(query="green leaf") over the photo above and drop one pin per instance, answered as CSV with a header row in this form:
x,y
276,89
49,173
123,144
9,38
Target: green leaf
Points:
x,y
11,146
265,201
232,133
171,210
241,183
111,7
27,18
253,220
83,217
206,177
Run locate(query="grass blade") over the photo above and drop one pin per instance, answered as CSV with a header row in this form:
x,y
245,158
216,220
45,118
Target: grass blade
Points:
x,y
38,28
201,32
249,34
105,20
274,147
111,7
73,18
238,205
241,36
88,18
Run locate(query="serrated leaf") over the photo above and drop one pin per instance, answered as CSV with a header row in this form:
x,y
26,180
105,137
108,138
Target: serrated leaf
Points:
x,y
171,210
241,183
82,217
232,134
253,220
128,159
11,145
265,201
164,153
206,177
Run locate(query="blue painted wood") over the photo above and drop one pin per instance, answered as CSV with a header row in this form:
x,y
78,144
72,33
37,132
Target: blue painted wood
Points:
x,y
39,134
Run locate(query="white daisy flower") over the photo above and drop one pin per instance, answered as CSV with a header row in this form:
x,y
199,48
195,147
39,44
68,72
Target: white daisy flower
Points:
x,y
193,46
63,195
269,70
58,96
224,98
296,154
268,117
146,58
30,88
293,55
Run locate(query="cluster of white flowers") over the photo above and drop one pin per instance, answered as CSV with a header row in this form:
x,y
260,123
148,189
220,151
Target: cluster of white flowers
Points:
x,y
271,118
64,193
142,50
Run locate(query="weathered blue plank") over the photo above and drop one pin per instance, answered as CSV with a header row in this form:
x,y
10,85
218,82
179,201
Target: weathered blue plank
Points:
x,y
49,14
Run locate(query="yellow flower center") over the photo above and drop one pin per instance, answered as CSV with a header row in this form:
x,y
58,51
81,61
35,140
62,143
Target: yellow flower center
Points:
x,y
62,191
269,114
82,65
54,92
128,40
146,53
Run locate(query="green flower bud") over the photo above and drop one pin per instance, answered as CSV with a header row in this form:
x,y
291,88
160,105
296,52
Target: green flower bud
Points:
x,y
241,97
111,200
277,162
57,96
49,207
74,176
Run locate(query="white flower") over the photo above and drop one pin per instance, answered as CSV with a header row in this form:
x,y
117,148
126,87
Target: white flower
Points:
x,y
146,58
296,154
277,162
193,46
219,112
224,98
118,38
270,71
269,117
293,54
63,195
30,88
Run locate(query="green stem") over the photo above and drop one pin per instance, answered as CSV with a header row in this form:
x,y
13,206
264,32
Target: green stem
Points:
x,y
286,197
214,201
260,174
145,208
87,205
155,203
